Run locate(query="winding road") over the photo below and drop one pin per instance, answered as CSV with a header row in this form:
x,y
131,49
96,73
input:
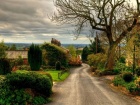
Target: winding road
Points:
x,y
82,89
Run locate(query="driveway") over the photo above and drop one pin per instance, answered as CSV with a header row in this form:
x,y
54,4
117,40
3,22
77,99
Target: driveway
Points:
x,y
82,89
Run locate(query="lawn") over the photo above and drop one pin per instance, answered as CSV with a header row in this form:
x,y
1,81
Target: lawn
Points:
x,y
54,74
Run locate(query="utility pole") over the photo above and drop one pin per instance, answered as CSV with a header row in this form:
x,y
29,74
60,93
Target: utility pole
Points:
x,y
134,65
96,43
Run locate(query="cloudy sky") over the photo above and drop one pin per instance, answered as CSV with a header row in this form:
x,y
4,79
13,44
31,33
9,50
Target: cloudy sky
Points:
x,y
26,21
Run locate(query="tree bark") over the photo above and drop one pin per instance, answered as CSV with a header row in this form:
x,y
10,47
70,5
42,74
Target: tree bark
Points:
x,y
111,57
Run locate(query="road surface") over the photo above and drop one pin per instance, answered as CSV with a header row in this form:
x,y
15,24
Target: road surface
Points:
x,y
82,89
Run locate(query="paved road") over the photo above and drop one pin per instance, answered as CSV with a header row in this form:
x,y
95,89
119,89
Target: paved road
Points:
x,y
82,89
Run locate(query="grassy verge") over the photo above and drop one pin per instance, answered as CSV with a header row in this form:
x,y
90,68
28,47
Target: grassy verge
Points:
x,y
54,75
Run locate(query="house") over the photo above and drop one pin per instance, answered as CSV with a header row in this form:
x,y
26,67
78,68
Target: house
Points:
x,y
12,55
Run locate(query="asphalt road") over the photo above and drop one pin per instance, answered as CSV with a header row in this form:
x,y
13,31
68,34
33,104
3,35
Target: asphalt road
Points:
x,y
82,89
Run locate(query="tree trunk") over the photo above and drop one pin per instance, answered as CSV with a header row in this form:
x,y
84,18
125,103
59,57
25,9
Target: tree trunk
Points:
x,y
111,57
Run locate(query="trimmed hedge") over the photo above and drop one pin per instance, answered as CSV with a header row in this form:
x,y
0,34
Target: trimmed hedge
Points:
x,y
55,53
40,83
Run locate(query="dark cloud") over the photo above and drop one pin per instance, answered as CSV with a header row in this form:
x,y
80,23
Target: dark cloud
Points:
x,y
28,20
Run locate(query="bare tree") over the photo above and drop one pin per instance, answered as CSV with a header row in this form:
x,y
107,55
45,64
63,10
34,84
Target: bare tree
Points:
x,y
101,15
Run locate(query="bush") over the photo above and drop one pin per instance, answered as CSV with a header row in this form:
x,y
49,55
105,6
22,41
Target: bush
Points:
x,y
122,59
24,67
75,61
58,65
132,87
97,60
138,71
118,80
39,83
4,66
128,76
39,100
14,97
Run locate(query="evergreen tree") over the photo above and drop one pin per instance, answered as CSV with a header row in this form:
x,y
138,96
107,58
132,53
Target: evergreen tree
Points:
x,y
35,57
85,53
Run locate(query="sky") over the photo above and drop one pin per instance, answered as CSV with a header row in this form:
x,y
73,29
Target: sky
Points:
x,y
27,21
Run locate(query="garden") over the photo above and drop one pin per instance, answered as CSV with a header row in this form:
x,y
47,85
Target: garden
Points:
x,y
31,84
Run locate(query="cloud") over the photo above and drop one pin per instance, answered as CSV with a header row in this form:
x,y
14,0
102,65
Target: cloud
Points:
x,y
27,21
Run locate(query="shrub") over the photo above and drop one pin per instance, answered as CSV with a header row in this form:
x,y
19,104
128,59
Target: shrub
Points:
x,y
122,59
10,96
132,87
14,97
58,65
138,71
24,67
38,100
39,83
128,76
97,60
35,57
118,80
19,61
4,66
75,61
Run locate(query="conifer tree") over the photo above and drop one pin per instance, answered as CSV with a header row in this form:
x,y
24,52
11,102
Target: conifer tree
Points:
x,y
35,57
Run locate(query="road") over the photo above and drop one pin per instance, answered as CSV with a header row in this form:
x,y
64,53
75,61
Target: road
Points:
x,y
82,89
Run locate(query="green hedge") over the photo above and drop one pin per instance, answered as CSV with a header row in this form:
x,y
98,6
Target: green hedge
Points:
x,y
40,83
55,53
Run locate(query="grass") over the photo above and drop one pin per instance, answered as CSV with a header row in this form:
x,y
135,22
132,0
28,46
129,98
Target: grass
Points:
x,y
54,74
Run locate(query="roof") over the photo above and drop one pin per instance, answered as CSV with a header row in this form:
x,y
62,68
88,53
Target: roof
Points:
x,y
16,54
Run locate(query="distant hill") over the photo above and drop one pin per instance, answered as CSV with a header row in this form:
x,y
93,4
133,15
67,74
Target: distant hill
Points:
x,y
20,46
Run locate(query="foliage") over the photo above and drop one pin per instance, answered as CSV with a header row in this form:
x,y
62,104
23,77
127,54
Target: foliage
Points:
x,y
40,83
138,71
19,61
95,46
75,61
58,65
54,74
38,100
97,60
4,66
127,76
72,50
35,57
3,48
56,53
112,21
131,86
118,80
24,67
85,53
13,47
11,95
121,67
122,59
